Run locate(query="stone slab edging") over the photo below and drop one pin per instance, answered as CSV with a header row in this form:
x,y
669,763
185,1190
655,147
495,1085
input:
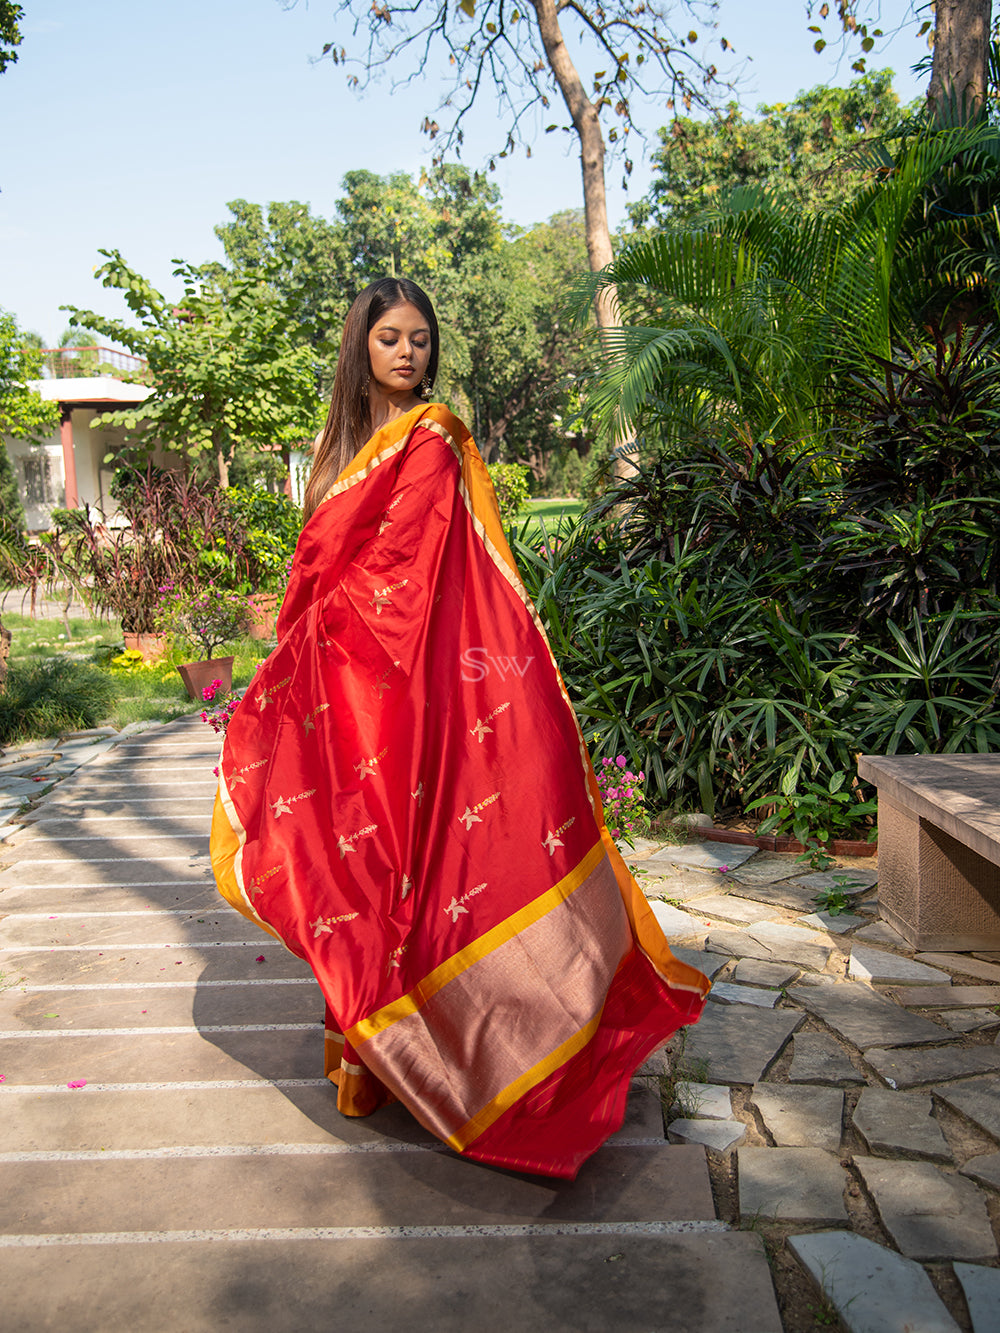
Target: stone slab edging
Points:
x,y
766,842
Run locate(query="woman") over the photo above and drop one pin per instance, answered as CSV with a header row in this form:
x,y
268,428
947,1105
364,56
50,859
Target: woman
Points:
x,y
406,801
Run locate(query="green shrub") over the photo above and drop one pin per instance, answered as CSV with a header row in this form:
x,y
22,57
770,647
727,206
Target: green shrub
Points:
x,y
510,481
53,696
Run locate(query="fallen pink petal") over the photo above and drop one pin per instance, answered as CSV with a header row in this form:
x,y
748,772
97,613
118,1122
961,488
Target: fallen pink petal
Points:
x,y
260,958
77,1083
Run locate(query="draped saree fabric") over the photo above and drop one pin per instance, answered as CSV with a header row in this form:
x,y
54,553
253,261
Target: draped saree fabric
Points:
x,y
406,801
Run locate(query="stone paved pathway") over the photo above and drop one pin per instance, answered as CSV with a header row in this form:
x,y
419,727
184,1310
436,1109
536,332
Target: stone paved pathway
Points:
x,y
864,1124
172,1157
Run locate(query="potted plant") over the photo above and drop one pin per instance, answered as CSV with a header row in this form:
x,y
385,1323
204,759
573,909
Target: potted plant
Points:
x,y
206,619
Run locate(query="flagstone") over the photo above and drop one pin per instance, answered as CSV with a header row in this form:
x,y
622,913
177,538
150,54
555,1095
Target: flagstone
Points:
x,y
978,1100
872,1289
985,1169
788,894
876,965
675,923
865,1018
737,1044
837,924
962,963
724,992
765,869
819,1058
930,1215
981,1288
719,1135
722,907
849,881
793,944
703,855
22,788
703,1101
709,963
801,1117
735,944
947,997
900,1122
970,1020
639,850
880,932
794,1184
753,972
909,1069
680,887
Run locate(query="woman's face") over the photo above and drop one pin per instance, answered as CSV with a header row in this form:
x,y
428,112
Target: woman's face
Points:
x,y
399,349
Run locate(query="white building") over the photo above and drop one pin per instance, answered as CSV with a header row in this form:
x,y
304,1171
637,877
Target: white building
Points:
x,y
67,470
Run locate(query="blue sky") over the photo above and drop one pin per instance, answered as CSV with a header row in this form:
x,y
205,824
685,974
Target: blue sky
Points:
x,y
130,125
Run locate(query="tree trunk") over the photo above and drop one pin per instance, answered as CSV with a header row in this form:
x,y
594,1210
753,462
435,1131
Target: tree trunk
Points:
x,y
595,204
961,44
588,129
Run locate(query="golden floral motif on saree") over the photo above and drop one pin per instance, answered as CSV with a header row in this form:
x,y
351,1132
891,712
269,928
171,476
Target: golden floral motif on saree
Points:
x,y
456,907
367,767
395,956
323,925
309,721
386,520
381,596
481,730
471,813
265,696
382,684
552,840
344,844
256,885
237,776
283,805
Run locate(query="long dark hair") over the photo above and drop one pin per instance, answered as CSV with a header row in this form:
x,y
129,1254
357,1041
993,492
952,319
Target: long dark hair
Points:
x,y
348,423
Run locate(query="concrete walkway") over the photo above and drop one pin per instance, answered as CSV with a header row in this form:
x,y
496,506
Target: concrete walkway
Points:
x,y
172,1157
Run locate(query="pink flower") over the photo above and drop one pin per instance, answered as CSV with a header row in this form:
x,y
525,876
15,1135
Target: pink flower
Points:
x,y
77,1083
621,761
3,1078
260,958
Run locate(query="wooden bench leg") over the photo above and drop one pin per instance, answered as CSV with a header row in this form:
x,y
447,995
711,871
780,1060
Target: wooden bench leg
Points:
x,y
938,893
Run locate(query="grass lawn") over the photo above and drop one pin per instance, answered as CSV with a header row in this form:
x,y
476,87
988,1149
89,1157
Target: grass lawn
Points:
x,y
556,515
142,694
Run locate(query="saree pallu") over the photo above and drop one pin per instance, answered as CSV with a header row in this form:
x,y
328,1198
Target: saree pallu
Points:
x,y
406,801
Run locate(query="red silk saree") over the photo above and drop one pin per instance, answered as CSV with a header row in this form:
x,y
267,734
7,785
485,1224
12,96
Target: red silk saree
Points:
x,y
406,801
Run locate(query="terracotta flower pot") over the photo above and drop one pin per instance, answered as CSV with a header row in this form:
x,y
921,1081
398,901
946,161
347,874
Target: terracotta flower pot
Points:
x,y
197,676
152,646
264,612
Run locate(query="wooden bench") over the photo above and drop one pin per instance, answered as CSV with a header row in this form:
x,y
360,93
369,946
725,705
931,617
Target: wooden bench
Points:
x,y
938,847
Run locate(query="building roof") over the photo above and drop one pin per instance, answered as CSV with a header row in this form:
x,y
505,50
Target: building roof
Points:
x,y
89,391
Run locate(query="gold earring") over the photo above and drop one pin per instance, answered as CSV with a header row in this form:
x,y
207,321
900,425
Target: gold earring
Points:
x,y
425,386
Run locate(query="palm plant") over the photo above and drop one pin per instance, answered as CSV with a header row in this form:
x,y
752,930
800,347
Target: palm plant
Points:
x,y
749,320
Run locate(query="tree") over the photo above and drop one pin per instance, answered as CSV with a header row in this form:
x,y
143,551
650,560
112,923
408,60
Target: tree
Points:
x,y
314,268
10,32
523,350
798,151
632,50
24,415
749,328
228,371
960,44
